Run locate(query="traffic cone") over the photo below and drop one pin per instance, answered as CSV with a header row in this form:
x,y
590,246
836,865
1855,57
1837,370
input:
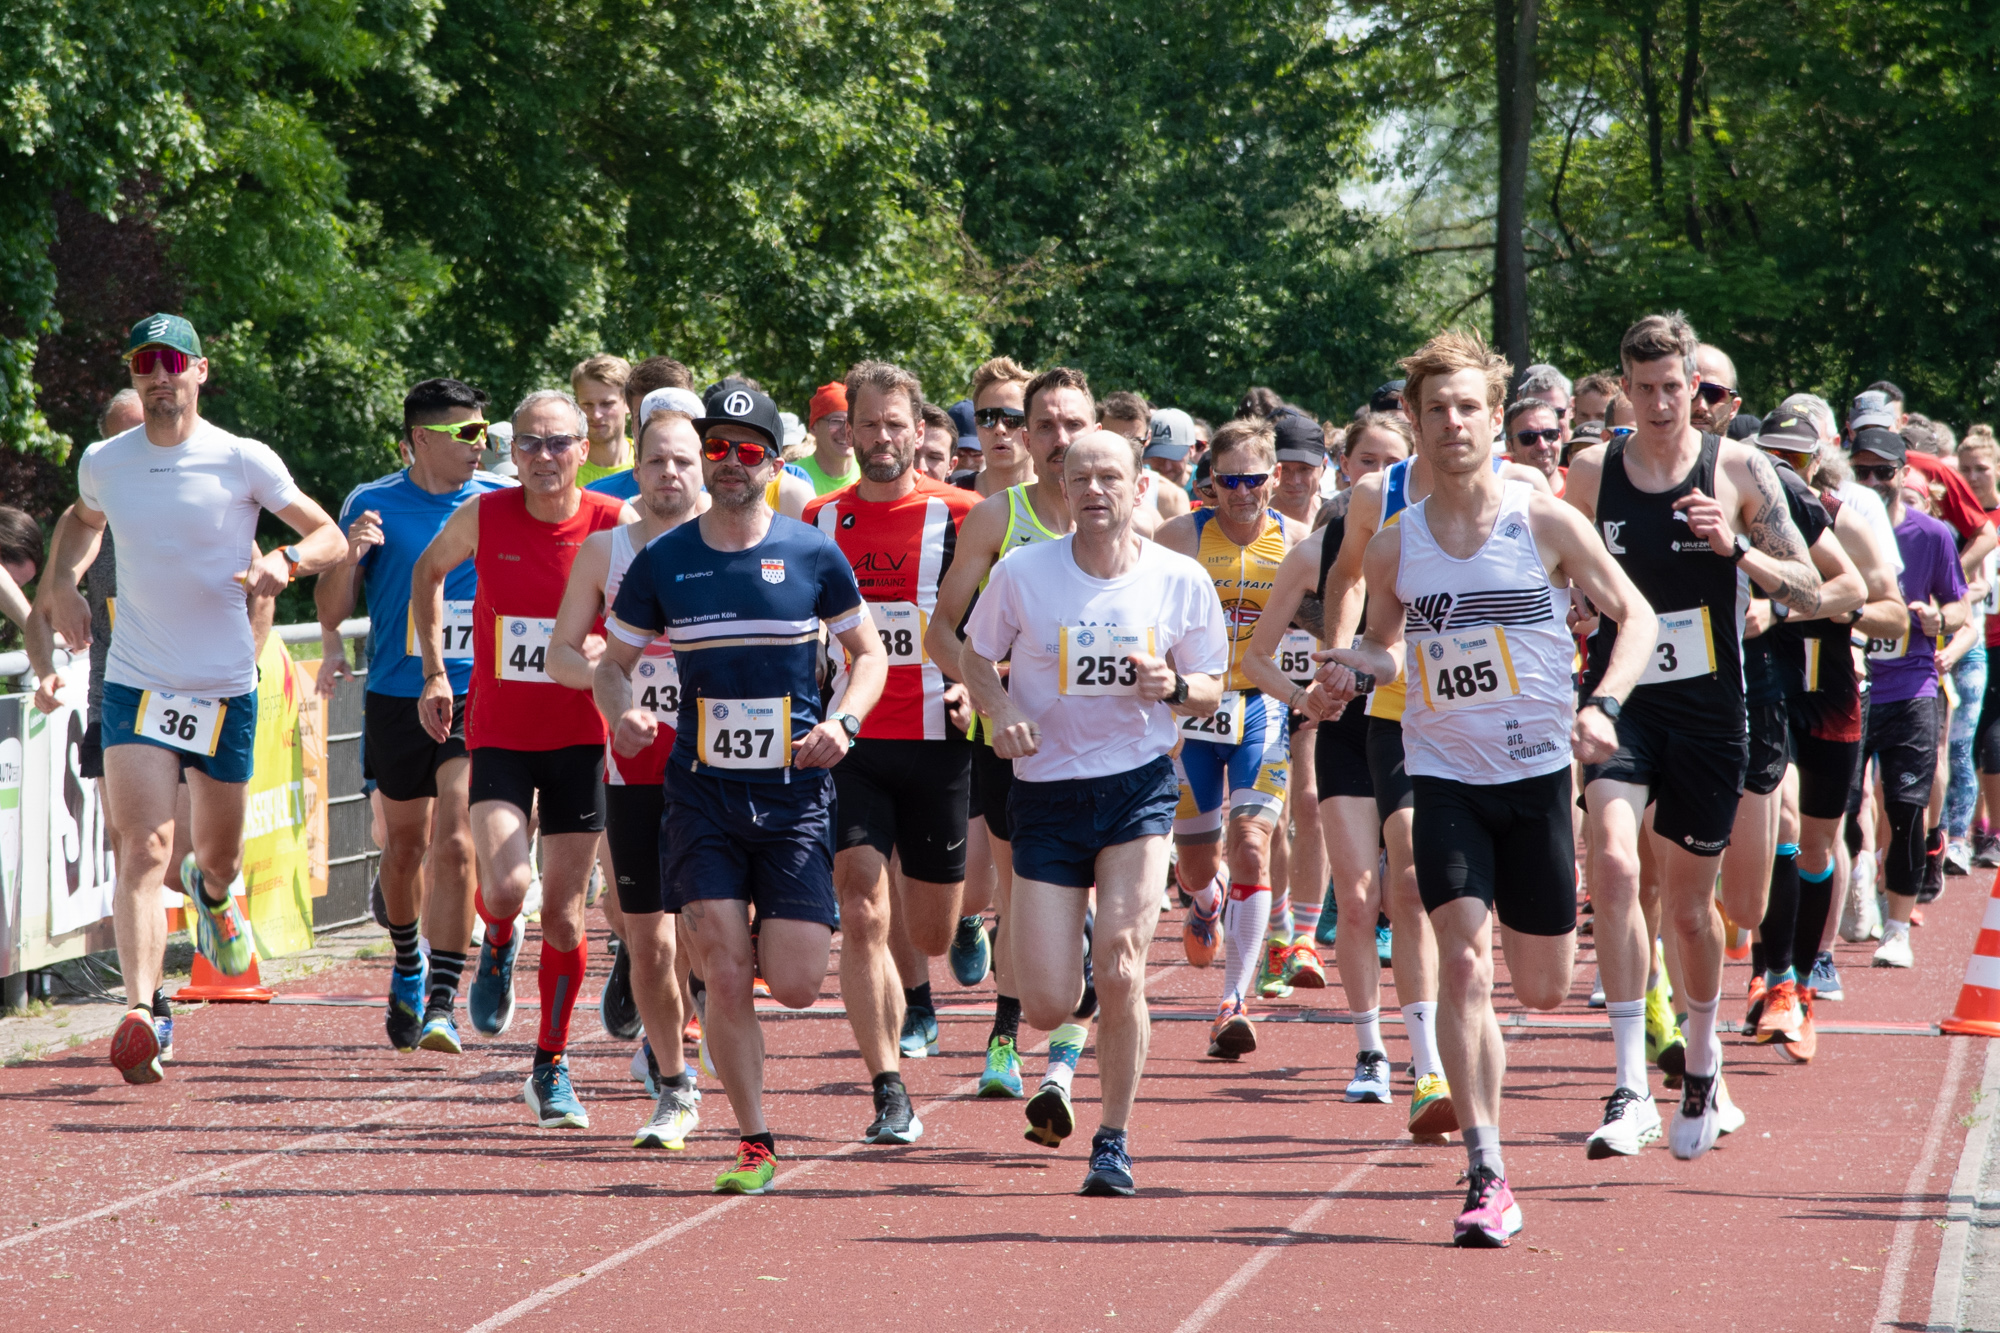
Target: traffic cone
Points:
x,y
1978,1011
206,983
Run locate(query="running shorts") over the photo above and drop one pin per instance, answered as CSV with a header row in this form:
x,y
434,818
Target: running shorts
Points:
x,y
992,781
233,755
1385,766
1509,844
1340,755
569,780
1902,738
1826,773
1060,827
1693,777
1251,774
632,833
1770,747
769,844
909,796
397,754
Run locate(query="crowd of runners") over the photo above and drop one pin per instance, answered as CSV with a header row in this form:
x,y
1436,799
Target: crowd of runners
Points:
x,y
1004,684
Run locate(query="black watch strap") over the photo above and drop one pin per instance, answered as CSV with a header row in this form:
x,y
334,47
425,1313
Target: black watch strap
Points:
x,y
1180,690
1605,704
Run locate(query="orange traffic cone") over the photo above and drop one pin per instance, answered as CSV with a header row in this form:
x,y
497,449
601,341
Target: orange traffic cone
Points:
x,y
1978,1011
208,984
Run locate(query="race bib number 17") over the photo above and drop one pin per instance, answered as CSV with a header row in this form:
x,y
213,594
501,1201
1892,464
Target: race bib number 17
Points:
x,y
457,631
1096,659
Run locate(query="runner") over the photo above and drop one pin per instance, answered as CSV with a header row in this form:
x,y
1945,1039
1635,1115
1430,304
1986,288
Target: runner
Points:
x,y
1298,853
741,594
904,785
1535,436
182,498
1097,626
1169,448
1475,575
422,781
1233,766
528,736
1682,742
599,385
831,463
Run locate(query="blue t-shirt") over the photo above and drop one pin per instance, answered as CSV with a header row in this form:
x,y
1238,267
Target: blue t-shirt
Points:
x,y
411,516
625,485
742,623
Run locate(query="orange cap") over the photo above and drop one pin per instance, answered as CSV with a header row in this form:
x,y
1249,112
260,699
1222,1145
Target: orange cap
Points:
x,y
826,398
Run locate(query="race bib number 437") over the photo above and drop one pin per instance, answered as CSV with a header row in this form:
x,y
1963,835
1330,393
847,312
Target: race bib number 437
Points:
x,y
1096,659
523,652
744,733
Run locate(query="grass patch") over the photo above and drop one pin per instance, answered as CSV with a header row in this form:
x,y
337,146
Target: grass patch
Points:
x,y
375,951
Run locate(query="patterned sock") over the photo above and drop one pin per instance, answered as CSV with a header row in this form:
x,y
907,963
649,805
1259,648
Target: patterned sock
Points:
x,y
1207,898
1065,1049
1244,918
1281,915
1417,1021
499,931
446,970
1305,918
408,961
561,980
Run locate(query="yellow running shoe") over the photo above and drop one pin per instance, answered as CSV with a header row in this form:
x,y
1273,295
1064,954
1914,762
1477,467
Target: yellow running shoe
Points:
x,y
1303,968
1271,983
1431,1112
752,1173
1665,1046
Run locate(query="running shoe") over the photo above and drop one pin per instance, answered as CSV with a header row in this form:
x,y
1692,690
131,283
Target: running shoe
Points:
x,y
1958,857
1933,884
1491,1218
616,1008
1303,968
755,1165
549,1095
1329,921
1199,935
1233,1035
1002,1075
1894,950
1780,1019
920,1033
1271,983
1728,1118
1985,851
971,952
221,933
644,1070
1631,1121
1753,1012
490,998
1697,1121
1666,1048
701,1057
405,1020
895,1121
440,1033
1371,1080
1051,1118
1086,1009
1597,990
1862,919
1825,982
1384,938
691,1031
163,1024
1803,1044
1110,1167
135,1048
674,1118
1431,1112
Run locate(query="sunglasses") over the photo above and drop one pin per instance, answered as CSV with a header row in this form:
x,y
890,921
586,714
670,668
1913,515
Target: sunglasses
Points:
x,y
1713,394
1241,480
467,432
1000,418
170,359
748,452
1620,432
1876,471
552,445
1531,438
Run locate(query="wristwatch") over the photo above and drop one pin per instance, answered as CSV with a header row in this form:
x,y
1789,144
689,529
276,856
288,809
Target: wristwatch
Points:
x,y
1604,703
848,723
293,558
1779,611
1179,694
1743,548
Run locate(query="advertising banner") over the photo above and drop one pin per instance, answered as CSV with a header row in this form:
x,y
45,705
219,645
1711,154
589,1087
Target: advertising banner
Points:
x,y
78,846
12,768
277,841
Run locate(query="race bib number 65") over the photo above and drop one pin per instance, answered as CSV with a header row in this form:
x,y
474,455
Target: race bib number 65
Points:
x,y
523,651
1096,659
744,733
193,725
1295,657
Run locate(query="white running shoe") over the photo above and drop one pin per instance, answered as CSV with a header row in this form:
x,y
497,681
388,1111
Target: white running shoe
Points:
x,y
1862,920
1631,1121
1698,1119
1597,990
1894,950
1730,1117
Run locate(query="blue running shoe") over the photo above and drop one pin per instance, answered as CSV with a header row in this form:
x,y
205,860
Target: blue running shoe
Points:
x,y
550,1096
1002,1075
1382,941
1825,981
971,952
1110,1167
1371,1080
440,1033
490,1000
163,1026
920,1034
1329,921
406,1006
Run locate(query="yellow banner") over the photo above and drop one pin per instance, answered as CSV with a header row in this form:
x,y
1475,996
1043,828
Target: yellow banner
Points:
x,y
283,808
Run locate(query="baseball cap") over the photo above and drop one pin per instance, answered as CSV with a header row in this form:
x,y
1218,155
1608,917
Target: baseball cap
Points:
x,y
826,398
1743,426
1882,443
1790,432
1872,409
671,400
1300,439
1171,435
734,403
163,331
960,413
1387,398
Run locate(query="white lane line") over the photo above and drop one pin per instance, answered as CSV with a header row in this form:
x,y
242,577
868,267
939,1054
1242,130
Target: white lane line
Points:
x,y
1953,1254
1265,1253
1903,1246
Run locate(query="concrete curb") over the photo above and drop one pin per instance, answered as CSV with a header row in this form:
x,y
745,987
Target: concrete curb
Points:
x,y
1956,1264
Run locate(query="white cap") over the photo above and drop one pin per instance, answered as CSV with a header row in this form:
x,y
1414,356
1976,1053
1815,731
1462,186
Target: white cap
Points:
x,y
673,400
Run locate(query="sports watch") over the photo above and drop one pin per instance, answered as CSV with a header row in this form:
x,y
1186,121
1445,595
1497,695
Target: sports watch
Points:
x,y
1605,704
1743,548
848,723
1179,694
293,559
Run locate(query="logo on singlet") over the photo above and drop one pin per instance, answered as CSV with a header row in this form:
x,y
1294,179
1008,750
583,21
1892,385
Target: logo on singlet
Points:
x,y
1611,533
774,571
1084,638
1433,609
847,520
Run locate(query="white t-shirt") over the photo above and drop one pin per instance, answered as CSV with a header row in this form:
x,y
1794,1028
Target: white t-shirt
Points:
x,y
1052,618
185,522
1869,505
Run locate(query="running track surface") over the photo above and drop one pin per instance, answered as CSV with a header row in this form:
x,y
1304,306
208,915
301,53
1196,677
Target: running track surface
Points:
x,y
292,1172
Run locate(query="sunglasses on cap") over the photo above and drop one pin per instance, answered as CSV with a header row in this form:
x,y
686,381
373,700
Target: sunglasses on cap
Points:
x,y
170,359
1240,480
551,445
1531,438
1000,418
1876,471
1713,394
467,432
750,453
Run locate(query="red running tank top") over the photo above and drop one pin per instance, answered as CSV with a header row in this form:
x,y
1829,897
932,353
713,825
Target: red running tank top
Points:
x,y
523,565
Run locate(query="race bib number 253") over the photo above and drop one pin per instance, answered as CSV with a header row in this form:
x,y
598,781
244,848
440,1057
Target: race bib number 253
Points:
x,y
1096,659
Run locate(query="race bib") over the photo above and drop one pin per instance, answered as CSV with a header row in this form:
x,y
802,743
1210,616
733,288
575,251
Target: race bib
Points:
x,y
1685,648
1095,659
523,651
1812,647
1464,668
1295,657
193,725
1224,727
901,625
1886,650
656,687
744,733
457,631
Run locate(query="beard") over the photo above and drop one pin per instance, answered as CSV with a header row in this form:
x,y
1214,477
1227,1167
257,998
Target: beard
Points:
x,y
670,509
749,496
882,470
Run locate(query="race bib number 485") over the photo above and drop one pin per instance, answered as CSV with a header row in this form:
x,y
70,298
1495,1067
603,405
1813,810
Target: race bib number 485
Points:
x,y
523,652
744,733
1096,659
193,725
1464,667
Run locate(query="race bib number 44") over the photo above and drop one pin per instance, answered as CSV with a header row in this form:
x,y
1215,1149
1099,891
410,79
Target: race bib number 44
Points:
x,y
1464,667
523,652
457,631
1223,727
1096,659
901,625
193,725
744,733
1684,649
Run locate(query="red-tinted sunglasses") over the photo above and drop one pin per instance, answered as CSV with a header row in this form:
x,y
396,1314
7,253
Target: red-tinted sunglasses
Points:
x,y
748,452
173,360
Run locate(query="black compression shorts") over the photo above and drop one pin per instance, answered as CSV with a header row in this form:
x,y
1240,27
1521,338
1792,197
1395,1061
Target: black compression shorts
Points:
x,y
1693,776
569,780
1340,755
906,796
1386,775
1508,844
632,832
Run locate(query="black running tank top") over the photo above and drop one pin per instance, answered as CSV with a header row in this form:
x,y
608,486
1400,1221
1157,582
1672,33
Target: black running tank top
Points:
x,y
1700,597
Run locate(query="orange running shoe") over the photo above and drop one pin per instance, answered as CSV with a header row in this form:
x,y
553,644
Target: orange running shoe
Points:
x,y
760,989
1754,1012
691,1033
1780,1019
1804,1043
1233,1034
1201,935
1303,968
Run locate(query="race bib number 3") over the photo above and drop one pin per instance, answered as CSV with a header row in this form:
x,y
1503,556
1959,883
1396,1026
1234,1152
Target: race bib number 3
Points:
x,y
1096,659
457,631
1685,648
744,733
1224,727
193,725
656,687
1465,667
523,652
1295,657
901,625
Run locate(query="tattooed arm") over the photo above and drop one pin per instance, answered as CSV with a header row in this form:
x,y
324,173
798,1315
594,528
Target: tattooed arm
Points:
x,y
1779,559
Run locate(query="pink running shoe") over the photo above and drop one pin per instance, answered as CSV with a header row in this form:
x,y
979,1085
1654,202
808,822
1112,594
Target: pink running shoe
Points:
x,y
1491,1216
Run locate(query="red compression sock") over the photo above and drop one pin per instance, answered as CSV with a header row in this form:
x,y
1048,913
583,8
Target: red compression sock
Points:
x,y
561,980
498,929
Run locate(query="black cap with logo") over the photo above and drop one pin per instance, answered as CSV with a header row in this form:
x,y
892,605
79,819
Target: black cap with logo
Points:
x,y
734,403
1300,439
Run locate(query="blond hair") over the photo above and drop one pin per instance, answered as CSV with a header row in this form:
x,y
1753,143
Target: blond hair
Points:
x,y
1447,354
1252,433
999,370
604,368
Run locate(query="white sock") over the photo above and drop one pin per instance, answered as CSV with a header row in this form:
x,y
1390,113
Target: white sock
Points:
x,y
1207,897
1418,1019
1368,1029
1628,1043
1704,1056
1892,928
1243,923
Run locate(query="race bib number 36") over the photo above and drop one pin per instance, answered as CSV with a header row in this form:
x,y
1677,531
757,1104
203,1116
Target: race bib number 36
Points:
x,y
193,725
457,631
1464,667
1223,727
523,652
1096,659
744,733
1295,656
901,625
1684,649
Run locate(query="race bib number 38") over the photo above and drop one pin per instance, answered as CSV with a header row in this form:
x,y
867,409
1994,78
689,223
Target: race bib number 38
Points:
x,y
457,631
1464,667
744,733
523,652
1684,649
901,625
193,725
1096,659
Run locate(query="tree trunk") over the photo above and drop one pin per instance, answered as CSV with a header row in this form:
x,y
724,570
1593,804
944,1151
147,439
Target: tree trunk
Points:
x,y
1514,60
1649,94
1684,130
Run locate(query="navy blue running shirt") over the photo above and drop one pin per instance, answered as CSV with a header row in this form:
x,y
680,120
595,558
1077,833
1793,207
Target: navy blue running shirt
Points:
x,y
743,624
